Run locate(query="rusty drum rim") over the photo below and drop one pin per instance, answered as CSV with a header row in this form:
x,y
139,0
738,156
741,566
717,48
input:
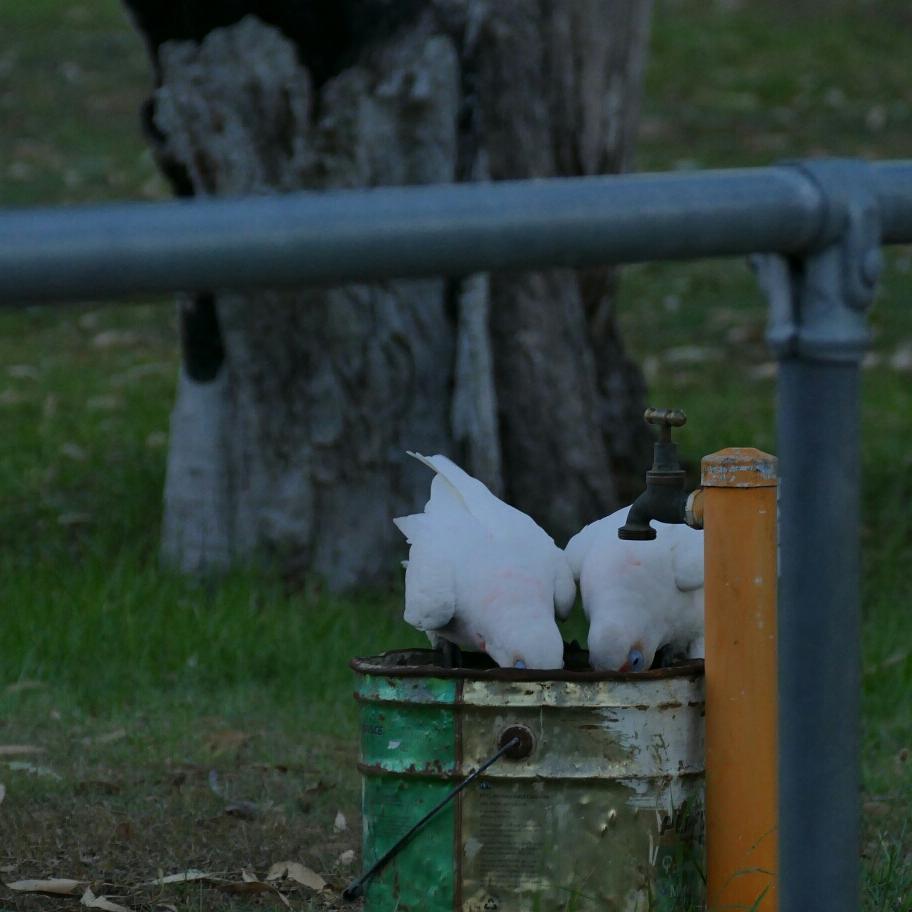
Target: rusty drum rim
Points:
x,y
372,665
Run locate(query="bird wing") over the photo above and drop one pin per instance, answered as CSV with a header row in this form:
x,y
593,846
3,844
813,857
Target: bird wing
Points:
x,y
430,585
579,547
687,559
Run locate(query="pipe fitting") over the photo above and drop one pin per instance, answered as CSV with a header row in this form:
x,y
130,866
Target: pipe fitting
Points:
x,y
693,509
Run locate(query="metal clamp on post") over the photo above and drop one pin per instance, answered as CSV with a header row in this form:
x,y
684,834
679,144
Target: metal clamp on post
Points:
x,y
818,303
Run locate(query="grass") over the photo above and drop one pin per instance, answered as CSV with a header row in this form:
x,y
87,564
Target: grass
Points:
x,y
137,684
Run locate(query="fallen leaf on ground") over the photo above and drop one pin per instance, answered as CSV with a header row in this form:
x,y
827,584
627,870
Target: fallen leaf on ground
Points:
x,y
32,769
248,887
140,371
74,451
318,787
97,786
56,886
214,785
91,901
877,808
246,810
765,371
901,359
89,320
182,877
115,338
691,354
106,739
299,873
11,397
23,372
19,750
103,403
74,519
124,830
229,739
21,686
340,824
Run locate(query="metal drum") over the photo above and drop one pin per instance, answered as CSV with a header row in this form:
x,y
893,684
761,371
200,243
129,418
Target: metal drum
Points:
x,y
604,812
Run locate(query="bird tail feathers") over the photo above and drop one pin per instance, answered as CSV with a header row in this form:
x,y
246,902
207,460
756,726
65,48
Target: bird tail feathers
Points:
x,y
412,527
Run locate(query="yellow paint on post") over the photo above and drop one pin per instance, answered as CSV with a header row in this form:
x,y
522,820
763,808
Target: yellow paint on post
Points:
x,y
740,540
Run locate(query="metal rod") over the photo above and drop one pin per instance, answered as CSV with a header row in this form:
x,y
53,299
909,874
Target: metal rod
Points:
x,y
356,887
819,635
355,235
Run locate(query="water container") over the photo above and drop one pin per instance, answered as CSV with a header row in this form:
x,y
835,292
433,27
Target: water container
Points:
x,y
603,813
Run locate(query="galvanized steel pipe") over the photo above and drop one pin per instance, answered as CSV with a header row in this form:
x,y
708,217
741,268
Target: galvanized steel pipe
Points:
x,y
819,635
355,235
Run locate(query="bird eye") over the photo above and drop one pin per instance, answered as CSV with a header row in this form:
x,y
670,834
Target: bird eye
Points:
x,y
635,660
519,663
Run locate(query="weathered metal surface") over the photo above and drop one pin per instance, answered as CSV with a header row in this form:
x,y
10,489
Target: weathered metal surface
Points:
x,y
420,878
741,738
555,845
739,467
604,812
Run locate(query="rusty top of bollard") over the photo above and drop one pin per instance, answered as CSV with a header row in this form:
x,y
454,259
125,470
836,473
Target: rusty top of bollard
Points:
x,y
739,467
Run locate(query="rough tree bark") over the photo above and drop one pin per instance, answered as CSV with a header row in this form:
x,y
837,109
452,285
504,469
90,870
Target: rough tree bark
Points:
x,y
294,410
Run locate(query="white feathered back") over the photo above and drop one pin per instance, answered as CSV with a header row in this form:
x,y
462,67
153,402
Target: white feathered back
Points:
x,y
653,588
481,568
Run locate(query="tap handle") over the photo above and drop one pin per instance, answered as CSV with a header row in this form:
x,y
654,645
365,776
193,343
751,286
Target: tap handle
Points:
x,y
665,419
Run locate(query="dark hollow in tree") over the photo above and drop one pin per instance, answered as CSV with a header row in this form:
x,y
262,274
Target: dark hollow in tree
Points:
x,y
294,410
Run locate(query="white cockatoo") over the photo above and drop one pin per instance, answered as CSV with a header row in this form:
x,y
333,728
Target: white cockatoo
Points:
x,y
483,574
639,595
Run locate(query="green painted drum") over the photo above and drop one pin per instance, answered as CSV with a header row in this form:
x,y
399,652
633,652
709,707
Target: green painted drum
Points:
x,y
604,814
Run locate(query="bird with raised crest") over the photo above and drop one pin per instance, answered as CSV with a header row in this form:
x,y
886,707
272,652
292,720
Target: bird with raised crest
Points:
x,y
483,575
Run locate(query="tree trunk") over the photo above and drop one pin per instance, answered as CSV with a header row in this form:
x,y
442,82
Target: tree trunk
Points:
x,y
295,410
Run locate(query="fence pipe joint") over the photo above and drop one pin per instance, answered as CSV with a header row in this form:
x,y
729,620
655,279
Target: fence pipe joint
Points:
x,y
819,302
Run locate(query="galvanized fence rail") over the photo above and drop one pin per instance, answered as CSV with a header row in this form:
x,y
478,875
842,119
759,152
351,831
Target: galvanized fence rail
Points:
x,y
818,227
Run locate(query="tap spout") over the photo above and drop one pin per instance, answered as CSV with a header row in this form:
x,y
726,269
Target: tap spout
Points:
x,y
664,499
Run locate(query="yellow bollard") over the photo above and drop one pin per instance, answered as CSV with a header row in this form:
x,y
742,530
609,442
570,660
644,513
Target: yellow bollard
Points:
x,y
740,540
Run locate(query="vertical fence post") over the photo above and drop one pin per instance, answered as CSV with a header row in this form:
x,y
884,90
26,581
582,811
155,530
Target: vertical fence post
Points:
x,y
739,537
818,330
